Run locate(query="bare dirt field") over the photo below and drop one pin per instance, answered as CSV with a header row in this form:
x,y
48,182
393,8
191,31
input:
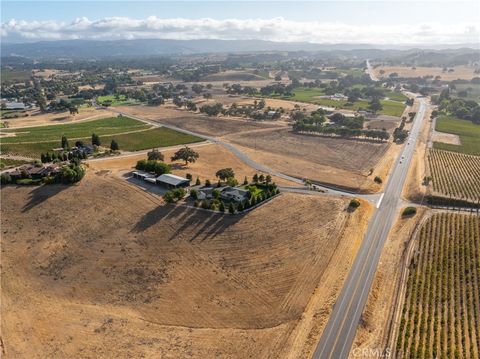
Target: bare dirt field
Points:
x,y
40,119
123,275
374,329
285,104
212,126
212,158
460,72
444,137
328,160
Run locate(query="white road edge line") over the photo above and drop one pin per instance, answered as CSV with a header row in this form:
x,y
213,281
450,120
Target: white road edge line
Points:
x,y
380,200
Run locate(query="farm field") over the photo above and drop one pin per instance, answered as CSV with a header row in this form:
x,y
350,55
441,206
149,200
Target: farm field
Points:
x,y
114,101
131,135
329,160
440,315
390,108
232,75
212,126
468,132
455,174
460,72
36,118
139,278
14,76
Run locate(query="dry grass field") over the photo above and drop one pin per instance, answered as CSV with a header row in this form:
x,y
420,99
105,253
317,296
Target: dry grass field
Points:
x,y
212,126
212,158
335,161
123,275
459,72
329,160
36,118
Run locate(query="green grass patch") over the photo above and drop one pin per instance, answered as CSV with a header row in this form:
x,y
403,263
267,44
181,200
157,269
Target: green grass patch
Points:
x,y
101,127
157,137
116,101
305,94
44,139
395,96
8,162
468,132
254,189
392,108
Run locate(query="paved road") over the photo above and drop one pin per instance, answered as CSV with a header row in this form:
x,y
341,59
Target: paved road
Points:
x,y
338,335
370,71
258,166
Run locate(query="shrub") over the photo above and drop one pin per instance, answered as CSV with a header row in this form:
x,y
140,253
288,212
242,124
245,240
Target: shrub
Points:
x,y
188,176
193,194
245,181
205,205
5,178
197,182
169,197
231,208
354,203
221,207
196,203
378,180
232,182
240,207
28,182
213,205
216,193
207,183
179,193
409,211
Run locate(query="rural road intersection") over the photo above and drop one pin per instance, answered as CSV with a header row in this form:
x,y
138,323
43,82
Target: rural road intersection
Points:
x,y
338,335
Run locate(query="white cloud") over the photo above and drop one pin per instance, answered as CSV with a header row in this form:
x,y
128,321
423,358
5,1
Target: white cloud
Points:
x,y
276,29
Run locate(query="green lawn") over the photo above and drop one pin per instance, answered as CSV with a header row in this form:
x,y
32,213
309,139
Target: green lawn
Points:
x,y
305,94
395,96
468,132
122,100
142,136
392,108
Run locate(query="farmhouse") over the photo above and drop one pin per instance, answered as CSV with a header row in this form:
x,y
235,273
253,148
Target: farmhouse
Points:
x,y
172,181
234,193
35,172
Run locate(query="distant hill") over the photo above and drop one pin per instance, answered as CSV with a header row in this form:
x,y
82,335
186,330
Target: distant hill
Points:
x,y
155,47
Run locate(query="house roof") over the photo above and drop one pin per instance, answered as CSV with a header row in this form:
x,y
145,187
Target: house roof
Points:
x,y
234,191
15,106
172,180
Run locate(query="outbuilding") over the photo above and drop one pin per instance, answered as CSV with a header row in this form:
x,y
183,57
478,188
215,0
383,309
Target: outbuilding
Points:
x,y
172,181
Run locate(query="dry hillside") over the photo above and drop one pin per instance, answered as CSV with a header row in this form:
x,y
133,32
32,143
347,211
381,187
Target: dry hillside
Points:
x,y
103,269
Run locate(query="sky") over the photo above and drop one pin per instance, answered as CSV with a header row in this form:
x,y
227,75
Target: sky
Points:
x,y
375,22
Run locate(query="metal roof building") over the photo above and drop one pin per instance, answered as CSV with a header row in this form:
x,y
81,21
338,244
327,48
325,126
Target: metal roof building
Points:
x,y
172,181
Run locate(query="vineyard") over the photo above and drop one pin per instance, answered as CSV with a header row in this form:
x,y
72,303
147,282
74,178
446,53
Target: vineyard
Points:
x,y
441,310
455,175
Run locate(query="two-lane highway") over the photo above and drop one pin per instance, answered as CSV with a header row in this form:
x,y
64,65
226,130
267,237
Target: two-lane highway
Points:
x,y
339,333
